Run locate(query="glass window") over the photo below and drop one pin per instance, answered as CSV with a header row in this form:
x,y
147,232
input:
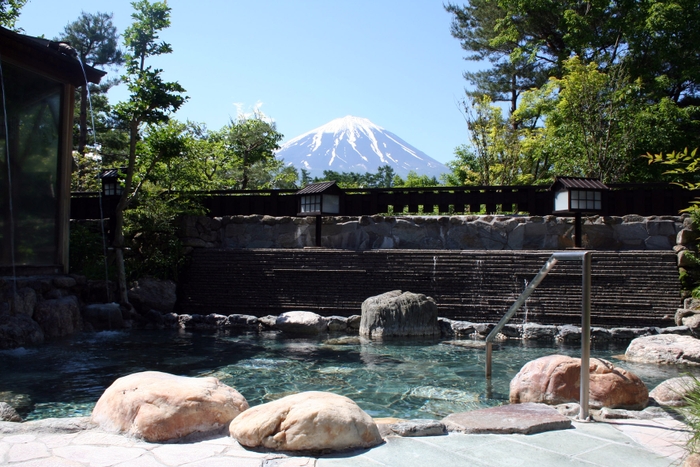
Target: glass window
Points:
x,y
31,135
311,203
586,200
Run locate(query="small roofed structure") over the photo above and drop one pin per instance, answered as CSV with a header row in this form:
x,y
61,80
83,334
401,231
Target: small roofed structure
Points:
x,y
319,199
578,194
39,78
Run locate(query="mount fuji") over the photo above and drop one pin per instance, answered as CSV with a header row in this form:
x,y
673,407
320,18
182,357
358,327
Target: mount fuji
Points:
x,y
354,144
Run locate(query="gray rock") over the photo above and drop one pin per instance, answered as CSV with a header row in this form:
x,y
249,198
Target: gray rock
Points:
x,y
411,428
242,321
600,335
18,330
103,316
539,332
463,328
568,334
301,322
59,317
64,282
626,334
337,323
399,314
8,413
354,322
525,418
156,294
24,302
268,322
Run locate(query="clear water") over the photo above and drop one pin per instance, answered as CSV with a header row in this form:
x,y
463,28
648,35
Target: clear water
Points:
x,y
407,378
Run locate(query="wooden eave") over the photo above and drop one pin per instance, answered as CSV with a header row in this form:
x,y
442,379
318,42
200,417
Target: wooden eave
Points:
x,y
38,55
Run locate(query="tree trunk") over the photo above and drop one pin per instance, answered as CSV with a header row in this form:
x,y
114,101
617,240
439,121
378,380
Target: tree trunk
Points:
x,y
118,242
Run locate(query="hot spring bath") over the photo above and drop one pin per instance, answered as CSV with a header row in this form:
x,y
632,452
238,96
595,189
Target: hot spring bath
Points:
x,y
407,378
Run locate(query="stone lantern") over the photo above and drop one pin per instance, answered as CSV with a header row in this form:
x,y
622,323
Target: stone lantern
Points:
x,y
578,195
319,199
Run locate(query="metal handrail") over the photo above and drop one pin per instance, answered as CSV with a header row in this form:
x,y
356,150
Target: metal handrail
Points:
x,y
585,257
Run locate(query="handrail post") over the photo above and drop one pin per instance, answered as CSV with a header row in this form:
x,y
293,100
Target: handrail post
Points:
x,y
585,334
489,351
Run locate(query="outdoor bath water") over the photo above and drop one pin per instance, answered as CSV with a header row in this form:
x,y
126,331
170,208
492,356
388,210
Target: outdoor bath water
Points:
x,y
406,378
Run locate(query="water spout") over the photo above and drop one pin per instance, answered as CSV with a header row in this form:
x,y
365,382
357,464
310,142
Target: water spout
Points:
x,y
96,147
9,185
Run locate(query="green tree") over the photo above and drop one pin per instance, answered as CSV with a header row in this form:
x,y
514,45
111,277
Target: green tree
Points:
x,y
151,101
511,72
598,123
9,13
249,141
656,40
95,39
413,180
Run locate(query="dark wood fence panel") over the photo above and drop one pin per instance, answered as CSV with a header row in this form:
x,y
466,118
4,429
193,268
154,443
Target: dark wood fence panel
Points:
x,y
641,199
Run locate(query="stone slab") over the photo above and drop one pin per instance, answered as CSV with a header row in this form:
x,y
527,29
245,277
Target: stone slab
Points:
x,y
525,418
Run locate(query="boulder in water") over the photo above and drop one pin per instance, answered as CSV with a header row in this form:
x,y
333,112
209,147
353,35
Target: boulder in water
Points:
x,y
399,314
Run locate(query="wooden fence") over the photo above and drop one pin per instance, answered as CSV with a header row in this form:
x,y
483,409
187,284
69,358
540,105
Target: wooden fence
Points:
x,y
621,199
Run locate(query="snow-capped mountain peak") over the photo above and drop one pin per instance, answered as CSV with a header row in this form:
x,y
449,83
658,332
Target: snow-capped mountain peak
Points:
x,y
355,144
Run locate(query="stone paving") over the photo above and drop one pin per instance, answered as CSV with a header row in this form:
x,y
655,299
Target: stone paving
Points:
x,y
618,443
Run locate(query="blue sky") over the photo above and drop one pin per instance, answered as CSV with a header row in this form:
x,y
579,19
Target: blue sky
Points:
x,y
304,62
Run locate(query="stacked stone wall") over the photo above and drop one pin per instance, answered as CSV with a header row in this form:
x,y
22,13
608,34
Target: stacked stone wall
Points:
x,y
491,233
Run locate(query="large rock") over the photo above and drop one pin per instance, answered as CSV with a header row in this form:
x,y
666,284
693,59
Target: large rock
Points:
x,y
103,316
399,314
672,392
308,421
159,406
59,317
664,348
301,322
555,379
18,330
153,294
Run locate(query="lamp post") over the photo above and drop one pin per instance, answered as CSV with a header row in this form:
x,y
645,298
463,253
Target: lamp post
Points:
x,y
577,195
319,199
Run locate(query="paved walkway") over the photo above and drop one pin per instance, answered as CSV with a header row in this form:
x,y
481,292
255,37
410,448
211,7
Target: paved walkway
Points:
x,y
622,443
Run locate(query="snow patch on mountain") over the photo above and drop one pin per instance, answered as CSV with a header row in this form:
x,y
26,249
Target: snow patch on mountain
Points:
x,y
354,144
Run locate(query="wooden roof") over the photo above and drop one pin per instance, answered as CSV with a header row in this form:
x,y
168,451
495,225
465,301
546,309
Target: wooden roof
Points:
x,y
323,187
580,183
56,60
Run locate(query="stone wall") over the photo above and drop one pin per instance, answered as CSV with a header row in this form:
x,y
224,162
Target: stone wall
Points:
x,y
634,288
434,232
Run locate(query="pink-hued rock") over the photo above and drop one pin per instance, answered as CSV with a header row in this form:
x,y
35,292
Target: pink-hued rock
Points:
x,y
159,406
555,379
672,392
664,348
308,421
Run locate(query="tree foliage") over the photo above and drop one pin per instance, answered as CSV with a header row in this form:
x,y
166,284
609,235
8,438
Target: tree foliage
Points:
x,y
250,142
592,86
9,13
96,41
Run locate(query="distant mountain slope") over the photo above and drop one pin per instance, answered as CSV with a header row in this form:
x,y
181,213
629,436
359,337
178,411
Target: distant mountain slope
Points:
x,y
353,144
